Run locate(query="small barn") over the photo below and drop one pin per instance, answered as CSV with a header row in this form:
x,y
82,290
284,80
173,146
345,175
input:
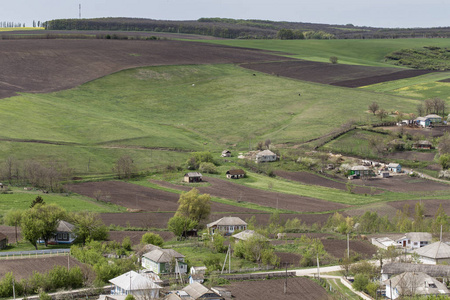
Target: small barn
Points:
x,y
423,145
235,174
193,177
265,156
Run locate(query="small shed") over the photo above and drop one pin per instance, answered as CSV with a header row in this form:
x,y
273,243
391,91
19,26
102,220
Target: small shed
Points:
x,y
395,168
226,153
422,121
193,177
423,145
235,174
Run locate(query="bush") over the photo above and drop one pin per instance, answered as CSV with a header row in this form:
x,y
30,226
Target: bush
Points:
x,y
360,282
152,238
126,243
206,167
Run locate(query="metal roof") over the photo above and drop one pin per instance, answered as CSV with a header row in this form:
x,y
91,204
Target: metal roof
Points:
x,y
438,250
162,255
227,221
136,282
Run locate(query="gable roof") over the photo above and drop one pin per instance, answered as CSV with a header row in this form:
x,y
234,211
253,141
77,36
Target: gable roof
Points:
x,y
247,234
433,116
419,236
393,165
197,290
417,282
236,172
162,255
136,282
64,226
227,221
436,250
193,174
432,270
265,153
359,168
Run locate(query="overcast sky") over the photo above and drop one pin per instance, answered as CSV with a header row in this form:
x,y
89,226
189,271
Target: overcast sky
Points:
x,y
375,13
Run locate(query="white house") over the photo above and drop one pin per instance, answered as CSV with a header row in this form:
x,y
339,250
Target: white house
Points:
x,y
393,167
414,240
414,283
140,286
435,253
226,225
197,274
265,156
161,261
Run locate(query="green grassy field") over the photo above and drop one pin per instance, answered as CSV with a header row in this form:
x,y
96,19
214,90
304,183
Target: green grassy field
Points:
x,y
161,109
22,200
361,52
20,28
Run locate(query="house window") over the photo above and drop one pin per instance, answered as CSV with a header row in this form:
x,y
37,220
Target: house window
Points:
x,y
65,236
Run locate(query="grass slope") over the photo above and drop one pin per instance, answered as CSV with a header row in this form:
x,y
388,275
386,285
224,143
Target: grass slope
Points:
x,y
200,107
362,52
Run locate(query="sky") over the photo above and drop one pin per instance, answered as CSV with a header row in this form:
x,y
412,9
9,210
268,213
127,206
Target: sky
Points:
x,y
374,13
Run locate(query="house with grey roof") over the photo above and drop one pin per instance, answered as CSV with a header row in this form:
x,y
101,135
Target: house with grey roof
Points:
x,y
198,291
394,167
193,177
415,240
248,234
437,271
235,174
140,286
265,156
163,261
226,225
412,284
436,253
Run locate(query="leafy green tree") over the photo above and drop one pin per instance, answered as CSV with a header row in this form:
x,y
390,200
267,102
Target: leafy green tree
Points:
x,y
194,205
152,238
13,218
285,34
444,144
31,225
218,243
89,226
50,214
440,218
360,282
38,200
207,167
130,297
181,224
126,243
444,161
254,249
196,158
381,113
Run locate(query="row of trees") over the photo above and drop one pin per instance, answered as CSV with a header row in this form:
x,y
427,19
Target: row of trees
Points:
x,y
6,24
41,220
432,106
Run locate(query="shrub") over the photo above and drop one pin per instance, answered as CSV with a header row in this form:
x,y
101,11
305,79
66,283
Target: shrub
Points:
x,y
360,282
126,243
206,167
152,238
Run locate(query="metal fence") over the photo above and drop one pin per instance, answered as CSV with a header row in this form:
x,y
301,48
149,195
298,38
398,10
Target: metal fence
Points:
x,y
33,253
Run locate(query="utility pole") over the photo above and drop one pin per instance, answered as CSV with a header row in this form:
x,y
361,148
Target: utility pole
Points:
x,y
318,267
285,282
79,11
348,245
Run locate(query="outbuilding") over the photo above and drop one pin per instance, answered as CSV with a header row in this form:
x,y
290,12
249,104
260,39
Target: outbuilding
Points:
x,y
235,174
193,177
395,168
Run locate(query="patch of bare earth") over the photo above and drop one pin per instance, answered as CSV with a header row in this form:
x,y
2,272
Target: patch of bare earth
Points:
x,y
297,288
136,236
404,183
431,206
338,248
10,233
229,190
334,74
46,65
24,267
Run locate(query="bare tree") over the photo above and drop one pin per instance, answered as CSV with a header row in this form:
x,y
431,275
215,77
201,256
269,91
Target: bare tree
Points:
x,y
420,109
125,167
382,114
373,107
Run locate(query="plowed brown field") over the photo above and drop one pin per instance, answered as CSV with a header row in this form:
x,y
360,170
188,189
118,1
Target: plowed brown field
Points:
x,y
334,74
41,65
297,288
24,268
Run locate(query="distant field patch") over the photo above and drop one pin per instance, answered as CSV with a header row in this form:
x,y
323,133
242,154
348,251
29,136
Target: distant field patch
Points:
x,y
3,29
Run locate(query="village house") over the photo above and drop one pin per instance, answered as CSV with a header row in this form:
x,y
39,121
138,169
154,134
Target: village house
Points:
x,y
248,234
414,240
161,261
3,241
140,286
395,168
436,271
436,253
265,156
235,174
414,284
226,225
422,122
192,177
198,291
226,153
197,274
434,118
424,144
360,171
65,234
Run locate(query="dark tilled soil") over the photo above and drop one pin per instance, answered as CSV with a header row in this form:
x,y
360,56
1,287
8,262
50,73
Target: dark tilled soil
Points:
x,y
46,65
10,233
338,248
229,190
334,74
136,236
24,267
299,288
431,206
404,183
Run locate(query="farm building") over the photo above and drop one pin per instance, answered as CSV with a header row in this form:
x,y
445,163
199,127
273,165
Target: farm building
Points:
x,y
358,171
3,241
383,242
422,121
226,153
235,174
414,283
160,261
265,156
140,286
197,274
436,271
415,240
422,145
395,168
199,291
436,253
226,225
434,118
193,177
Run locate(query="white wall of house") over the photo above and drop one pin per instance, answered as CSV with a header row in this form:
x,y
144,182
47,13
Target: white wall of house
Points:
x,y
151,265
395,293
